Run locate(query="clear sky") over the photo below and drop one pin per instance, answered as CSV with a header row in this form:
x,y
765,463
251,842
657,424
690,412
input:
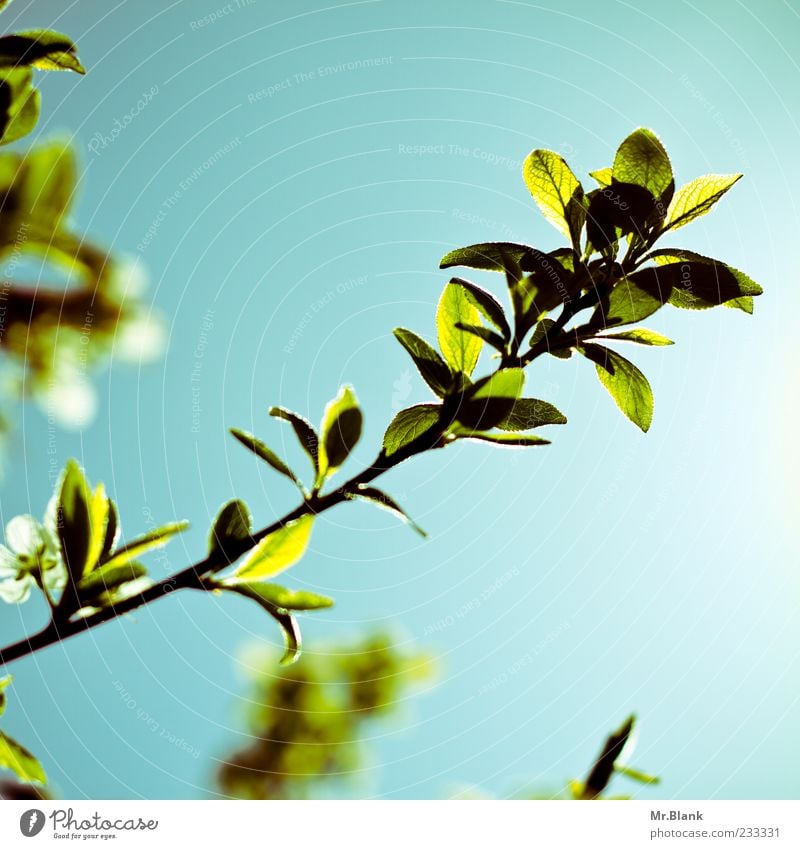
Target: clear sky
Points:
x,y
274,188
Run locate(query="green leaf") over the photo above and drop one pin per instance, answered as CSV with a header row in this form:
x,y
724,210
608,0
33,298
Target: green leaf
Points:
x,y
491,399
556,190
276,552
304,431
603,176
507,439
697,198
528,413
460,349
432,367
4,4
340,431
16,86
266,454
488,306
508,257
603,769
157,538
699,282
640,335
288,624
50,175
642,160
381,499
232,525
485,335
635,297
44,49
107,579
20,761
286,598
409,425
637,775
4,682
74,520
625,383
112,532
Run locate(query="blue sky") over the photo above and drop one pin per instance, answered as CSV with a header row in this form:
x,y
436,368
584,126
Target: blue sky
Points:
x,y
290,186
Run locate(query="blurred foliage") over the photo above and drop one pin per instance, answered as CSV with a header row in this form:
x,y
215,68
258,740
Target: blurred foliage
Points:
x,y
307,720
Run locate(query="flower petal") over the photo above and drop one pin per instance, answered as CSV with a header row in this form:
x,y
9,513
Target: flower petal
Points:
x,y
15,592
24,535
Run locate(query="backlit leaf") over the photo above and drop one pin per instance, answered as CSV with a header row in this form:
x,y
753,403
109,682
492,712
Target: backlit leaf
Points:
x,y
640,335
233,524
556,191
381,499
528,413
45,49
20,761
642,160
460,349
266,454
625,383
157,538
276,552
306,435
409,425
697,197
432,367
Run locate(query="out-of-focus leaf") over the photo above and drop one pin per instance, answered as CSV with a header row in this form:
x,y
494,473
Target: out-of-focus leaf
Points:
x,y
266,454
637,775
21,119
460,349
381,499
697,198
432,367
44,48
340,431
603,768
74,520
276,552
4,682
107,579
408,425
50,174
306,435
625,383
528,413
507,439
232,525
20,761
640,335
642,160
507,257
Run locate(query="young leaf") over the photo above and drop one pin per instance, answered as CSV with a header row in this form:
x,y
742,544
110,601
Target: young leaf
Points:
x,y
379,497
508,439
699,282
112,532
485,335
306,435
276,552
625,383
491,400
287,622
633,298
486,303
74,520
432,367
637,775
232,525
603,176
157,538
50,176
266,454
45,49
603,768
697,198
20,761
340,431
408,425
16,87
460,349
493,256
285,598
640,335
528,413
107,579
556,190
23,116
642,160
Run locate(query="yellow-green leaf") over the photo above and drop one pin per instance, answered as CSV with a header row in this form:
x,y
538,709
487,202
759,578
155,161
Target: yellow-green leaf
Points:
x,y
553,186
339,432
157,538
276,552
461,349
409,424
642,160
697,197
20,761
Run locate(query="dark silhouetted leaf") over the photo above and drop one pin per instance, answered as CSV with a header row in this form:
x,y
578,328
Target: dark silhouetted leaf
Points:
x,y
74,520
432,367
381,499
603,768
493,256
491,399
486,303
340,431
266,454
633,298
45,49
306,435
232,525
